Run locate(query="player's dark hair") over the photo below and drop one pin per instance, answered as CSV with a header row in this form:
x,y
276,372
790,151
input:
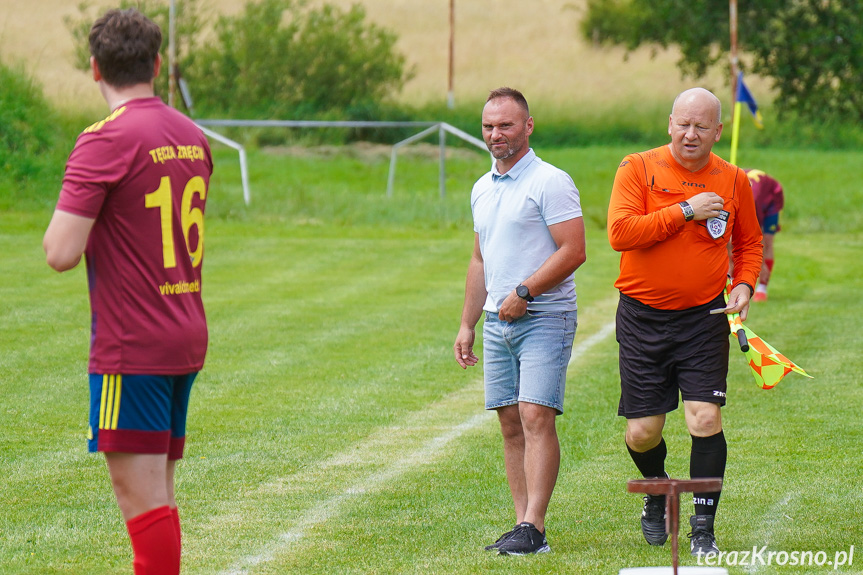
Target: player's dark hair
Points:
x,y
512,94
125,44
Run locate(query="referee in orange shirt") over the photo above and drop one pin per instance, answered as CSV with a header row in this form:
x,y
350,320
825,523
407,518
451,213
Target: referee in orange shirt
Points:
x,y
672,212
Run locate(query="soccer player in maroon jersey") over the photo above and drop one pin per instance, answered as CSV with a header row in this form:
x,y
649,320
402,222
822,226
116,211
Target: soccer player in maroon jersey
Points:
x,y
132,202
769,201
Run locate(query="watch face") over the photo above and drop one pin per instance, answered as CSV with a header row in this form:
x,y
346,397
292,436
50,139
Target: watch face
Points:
x,y
522,292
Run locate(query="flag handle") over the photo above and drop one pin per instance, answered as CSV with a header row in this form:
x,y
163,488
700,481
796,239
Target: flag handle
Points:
x,y
734,320
741,339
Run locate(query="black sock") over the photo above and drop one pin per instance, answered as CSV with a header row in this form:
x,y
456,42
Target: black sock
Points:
x,y
707,460
650,463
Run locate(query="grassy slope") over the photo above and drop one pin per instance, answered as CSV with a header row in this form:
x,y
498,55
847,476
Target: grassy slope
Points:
x,y
332,432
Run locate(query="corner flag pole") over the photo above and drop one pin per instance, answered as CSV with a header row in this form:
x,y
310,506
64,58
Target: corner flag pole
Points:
x,y
735,132
735,125
732,16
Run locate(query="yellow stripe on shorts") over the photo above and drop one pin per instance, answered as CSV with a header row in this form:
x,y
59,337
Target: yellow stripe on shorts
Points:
x,y
109,408
105,380
117,391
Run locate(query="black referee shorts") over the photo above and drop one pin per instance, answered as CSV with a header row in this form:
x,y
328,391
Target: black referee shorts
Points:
x,y
663,352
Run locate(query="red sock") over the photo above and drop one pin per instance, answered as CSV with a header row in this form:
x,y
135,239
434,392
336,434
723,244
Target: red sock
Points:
x,y
175,515
769,264
154,541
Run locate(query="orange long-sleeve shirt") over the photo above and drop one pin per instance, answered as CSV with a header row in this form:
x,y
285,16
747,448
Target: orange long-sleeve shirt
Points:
x,y
665,261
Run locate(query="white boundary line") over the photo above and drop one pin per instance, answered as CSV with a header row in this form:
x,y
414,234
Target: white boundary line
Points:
x,y
333,506
771,519
329,508
581,347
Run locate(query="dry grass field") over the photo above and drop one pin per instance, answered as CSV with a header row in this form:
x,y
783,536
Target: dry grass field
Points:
x,y
533,45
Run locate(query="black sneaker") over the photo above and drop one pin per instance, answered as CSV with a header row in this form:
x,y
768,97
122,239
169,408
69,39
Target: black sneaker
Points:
x,y
501,539
653,520
525,539
702,541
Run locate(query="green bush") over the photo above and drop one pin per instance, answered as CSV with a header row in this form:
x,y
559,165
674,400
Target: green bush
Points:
x,y
280,59
35,140
25,122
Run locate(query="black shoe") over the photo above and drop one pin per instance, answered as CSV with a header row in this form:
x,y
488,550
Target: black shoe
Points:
x,y
525,539
702,541
653,520
501,539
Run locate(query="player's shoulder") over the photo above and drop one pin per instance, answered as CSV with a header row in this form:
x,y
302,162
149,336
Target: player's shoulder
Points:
x,y
544,167
135,111
106,123
722,172
484,183
548,177
639,160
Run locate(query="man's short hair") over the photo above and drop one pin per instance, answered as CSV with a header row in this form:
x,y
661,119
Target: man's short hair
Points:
x,y
125,44
512,94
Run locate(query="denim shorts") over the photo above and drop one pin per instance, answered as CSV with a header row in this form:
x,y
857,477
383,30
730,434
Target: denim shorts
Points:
x,y
526,360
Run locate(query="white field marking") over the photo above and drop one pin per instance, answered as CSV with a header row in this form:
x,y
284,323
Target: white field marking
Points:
x,y
331,507
581,347
771,519
380,447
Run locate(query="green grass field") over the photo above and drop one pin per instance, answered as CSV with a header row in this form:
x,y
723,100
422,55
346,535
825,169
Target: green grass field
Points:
x,y
332,432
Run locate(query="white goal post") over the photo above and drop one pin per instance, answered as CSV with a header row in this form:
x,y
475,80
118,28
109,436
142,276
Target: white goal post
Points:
x,y
442,128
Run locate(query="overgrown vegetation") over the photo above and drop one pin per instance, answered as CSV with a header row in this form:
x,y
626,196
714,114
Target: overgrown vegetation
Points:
x,y
288,59
26,125
811,49
34,141
279,59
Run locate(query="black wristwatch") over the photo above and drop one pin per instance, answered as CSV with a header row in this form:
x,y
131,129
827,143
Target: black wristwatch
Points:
x,y
524,293
688,212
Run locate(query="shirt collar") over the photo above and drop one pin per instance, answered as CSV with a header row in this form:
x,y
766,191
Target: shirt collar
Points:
x,y
515,171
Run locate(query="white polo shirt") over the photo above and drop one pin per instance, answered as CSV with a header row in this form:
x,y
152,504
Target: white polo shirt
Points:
x,y
511,214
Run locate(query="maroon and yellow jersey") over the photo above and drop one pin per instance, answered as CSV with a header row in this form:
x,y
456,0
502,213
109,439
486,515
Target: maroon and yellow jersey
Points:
x,y
768,195
665,261
143,174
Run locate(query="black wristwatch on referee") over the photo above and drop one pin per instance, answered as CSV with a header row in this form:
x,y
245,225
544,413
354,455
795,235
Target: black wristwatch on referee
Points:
x,y
688,212
524,293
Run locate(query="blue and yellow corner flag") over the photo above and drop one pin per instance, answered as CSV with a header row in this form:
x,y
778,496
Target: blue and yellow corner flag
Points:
x,y
744,96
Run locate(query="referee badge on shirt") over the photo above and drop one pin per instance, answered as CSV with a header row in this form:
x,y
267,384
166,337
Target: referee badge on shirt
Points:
x,y
716,226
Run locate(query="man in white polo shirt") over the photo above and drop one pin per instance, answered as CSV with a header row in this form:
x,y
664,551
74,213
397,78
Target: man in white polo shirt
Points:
x,y
529,239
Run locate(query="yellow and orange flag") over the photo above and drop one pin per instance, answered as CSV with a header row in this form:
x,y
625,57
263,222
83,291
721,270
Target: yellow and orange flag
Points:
x,y
767,364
